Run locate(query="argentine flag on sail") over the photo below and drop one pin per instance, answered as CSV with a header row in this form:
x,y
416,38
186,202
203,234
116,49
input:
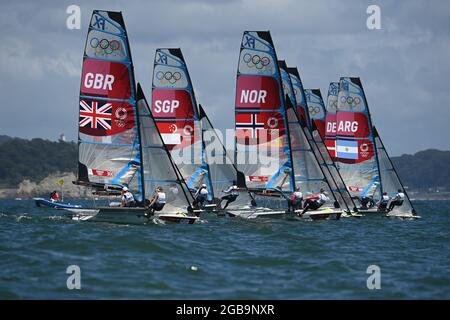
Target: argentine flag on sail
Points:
x,y
347,149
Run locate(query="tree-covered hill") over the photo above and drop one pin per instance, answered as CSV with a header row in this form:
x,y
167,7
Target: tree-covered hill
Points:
x,y
425,169
34,159
37,158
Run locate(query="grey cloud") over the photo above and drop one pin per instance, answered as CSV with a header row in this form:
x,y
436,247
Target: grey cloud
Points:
x,y
403,67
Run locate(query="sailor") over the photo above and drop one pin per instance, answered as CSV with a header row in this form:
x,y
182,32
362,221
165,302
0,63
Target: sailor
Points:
x,y
201,196
297,199
397,200
382,204
231,195
127,198
315,202
54,196
157,202
367,202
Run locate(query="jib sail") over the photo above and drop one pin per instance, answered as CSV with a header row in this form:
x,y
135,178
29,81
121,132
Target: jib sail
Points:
x,y
159,170
389,177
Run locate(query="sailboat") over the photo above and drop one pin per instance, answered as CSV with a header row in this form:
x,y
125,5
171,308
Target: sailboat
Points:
x,y
311,170
316,111
390,182
264,117
118,142
351,143
313,135
176,113
222,169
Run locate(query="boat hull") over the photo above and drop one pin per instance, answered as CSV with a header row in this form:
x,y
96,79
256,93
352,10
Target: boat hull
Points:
x,y
324,214
128,216
44,203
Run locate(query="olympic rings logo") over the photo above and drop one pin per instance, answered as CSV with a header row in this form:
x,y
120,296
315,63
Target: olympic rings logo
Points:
x,y
333,105
313,110
104,45
255,61
171,77
351,101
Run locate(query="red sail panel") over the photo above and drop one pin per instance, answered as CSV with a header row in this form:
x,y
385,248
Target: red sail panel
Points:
x,y
105,79
172,104
257,93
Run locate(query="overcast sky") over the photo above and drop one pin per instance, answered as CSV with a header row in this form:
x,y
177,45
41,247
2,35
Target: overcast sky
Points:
x,y
404,67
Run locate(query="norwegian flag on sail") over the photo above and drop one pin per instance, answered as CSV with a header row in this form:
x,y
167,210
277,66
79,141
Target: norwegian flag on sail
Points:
x,y
256,128
104,118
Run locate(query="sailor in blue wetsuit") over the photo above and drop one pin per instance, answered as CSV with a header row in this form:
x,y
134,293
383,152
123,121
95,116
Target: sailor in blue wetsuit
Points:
x,y
397,200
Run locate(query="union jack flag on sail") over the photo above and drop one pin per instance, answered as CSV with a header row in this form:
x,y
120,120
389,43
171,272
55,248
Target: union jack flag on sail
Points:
x,y
95,117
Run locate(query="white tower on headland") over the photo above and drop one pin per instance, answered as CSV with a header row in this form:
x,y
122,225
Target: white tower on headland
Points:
x,y
62,137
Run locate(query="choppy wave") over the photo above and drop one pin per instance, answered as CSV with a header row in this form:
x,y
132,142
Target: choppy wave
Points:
x,y
225,258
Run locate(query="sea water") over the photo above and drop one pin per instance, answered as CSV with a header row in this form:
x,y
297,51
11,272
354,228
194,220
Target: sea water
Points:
x,y
224,258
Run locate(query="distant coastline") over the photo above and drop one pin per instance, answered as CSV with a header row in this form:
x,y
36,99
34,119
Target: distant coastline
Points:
x,y
32,168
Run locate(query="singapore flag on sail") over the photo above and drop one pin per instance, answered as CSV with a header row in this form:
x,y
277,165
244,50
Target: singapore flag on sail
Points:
x,y
179,134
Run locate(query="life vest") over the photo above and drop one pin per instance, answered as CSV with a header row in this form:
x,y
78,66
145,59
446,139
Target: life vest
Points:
x,y
385,199
161,198
297,195
204,191
233,190
400,196
128,197
323,198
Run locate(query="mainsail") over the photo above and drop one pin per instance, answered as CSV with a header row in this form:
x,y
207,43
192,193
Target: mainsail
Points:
x,y
354,142
300,97
222,170
158,166
108,139
262,138
389,178
316,110
175,109
330,119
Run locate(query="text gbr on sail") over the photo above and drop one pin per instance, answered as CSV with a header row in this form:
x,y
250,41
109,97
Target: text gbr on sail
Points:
x,y
98,81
